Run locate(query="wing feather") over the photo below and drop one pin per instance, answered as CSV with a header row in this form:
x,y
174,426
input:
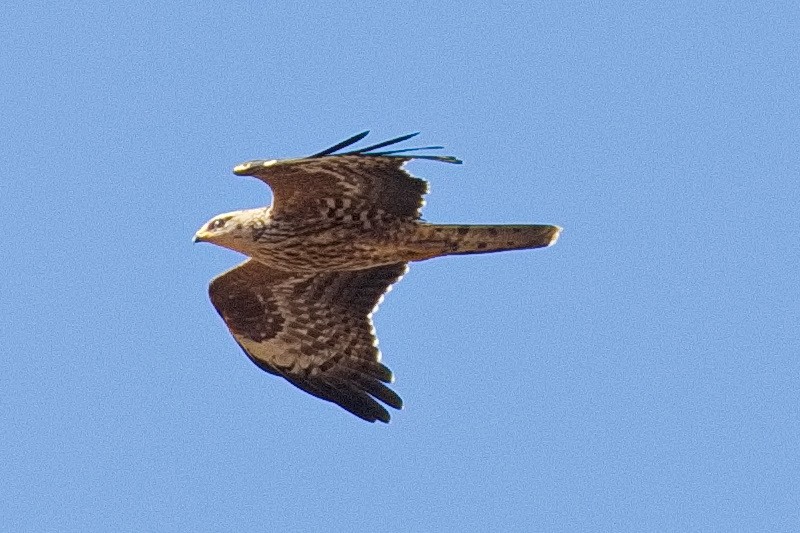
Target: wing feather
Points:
x,y
315,331
344,144
359,181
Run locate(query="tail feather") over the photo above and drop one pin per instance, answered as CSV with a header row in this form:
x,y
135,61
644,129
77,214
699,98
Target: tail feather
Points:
x,y
446,239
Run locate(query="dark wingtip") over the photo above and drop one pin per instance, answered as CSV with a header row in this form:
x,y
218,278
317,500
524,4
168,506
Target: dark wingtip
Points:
x,y
370,150
344,144
442,158
384,143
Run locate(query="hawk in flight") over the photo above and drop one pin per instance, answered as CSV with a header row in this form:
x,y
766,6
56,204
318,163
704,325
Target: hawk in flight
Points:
x,y
341,229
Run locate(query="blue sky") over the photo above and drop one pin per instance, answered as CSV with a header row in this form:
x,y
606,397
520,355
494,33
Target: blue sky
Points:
x,y
640,375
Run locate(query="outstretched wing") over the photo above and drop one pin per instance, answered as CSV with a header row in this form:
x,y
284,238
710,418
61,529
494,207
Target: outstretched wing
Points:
x,y
352,186
315,331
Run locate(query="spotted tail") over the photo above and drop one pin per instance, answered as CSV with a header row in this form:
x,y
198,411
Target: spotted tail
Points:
x,y
445,239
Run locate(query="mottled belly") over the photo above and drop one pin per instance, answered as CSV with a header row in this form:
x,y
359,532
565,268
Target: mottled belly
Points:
x,y
329,250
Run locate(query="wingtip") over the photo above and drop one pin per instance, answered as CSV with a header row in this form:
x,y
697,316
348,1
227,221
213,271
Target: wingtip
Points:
x,y
441,158
345,143
370,150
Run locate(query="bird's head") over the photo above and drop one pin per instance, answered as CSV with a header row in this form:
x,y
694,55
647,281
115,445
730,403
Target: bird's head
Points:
x,y
233,230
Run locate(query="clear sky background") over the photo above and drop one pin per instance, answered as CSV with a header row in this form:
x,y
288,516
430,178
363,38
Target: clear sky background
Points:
x,y
640,375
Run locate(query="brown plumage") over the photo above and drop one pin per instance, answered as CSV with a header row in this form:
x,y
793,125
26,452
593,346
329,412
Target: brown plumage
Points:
x,y
341,229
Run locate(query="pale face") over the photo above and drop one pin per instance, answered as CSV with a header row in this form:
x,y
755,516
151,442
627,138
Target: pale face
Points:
x,y
230,230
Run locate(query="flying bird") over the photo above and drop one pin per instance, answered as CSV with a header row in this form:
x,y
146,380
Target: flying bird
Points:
x,y
341,229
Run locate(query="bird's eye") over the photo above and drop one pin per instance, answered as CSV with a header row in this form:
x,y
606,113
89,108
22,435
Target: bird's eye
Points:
x,y
216,224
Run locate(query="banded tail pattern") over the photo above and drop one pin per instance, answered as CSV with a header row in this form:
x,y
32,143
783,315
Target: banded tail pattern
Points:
x,y
453,239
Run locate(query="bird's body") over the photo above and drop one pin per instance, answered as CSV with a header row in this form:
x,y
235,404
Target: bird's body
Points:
x,y
341,229
329,245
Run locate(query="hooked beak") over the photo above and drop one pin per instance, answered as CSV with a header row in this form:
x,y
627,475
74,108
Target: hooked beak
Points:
x,y
197,238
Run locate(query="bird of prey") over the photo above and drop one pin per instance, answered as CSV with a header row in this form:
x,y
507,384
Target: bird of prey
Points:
x,y
341,229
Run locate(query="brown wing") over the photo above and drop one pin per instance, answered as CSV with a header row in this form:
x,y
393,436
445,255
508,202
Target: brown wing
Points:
x,y
355,184
315,331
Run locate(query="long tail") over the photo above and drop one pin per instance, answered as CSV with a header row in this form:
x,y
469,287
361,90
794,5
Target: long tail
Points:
x,y
445,239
